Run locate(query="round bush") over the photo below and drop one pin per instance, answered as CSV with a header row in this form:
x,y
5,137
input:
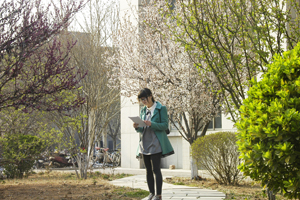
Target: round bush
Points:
x,y
268,131
19,152
217,153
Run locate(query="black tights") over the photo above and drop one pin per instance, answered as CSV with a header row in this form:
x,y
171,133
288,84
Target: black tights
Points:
x,y
152,164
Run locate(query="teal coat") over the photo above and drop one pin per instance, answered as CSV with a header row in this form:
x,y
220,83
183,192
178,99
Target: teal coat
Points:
x,y
158,124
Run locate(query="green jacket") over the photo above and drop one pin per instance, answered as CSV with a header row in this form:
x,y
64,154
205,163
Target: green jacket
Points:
x,y
159,123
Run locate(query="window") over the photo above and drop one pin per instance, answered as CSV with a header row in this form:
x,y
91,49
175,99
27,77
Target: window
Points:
x,y
216,122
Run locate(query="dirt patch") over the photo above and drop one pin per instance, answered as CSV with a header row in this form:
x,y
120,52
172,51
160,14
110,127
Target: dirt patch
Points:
x,y
66,186
249,190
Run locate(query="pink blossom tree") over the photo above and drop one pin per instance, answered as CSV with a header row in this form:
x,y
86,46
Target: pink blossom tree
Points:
x,y
35,71
149,57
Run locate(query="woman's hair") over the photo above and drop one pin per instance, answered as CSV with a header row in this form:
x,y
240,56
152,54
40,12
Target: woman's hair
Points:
x,y
145,92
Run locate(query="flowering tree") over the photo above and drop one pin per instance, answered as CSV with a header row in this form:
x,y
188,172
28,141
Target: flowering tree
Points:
x,y
148,57
34,69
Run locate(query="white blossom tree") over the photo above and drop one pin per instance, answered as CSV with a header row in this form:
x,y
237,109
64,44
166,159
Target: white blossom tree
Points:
x,y
148,57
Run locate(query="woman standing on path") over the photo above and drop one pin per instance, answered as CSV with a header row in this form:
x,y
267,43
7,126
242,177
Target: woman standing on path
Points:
x,y
154,143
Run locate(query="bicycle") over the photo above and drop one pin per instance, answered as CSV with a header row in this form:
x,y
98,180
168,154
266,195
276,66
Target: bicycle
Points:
x,y
98,156
103,158
107,158
112,159
116,157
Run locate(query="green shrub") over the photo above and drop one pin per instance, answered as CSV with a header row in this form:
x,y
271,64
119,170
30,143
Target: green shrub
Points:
x,y
217,153
268,137
19,153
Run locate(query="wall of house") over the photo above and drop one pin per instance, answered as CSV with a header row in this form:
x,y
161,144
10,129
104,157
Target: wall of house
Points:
x,y
129,137
181,149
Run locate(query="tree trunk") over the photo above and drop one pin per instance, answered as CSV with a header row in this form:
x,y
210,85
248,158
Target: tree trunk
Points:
x,y
271,195
115,143
194,168
83,165
104,139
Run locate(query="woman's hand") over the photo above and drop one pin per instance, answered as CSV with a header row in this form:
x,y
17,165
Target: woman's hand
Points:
x,y
135,125
148,123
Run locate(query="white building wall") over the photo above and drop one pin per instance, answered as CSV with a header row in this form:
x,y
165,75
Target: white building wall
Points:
x,y
227,125
129,137
186,161
175,158
181,148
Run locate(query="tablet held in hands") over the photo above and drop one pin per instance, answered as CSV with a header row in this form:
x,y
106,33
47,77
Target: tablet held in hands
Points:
x,y
138,120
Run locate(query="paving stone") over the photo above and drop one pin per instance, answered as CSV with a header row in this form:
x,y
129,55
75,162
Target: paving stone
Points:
x,y
193,195
212,195
170,191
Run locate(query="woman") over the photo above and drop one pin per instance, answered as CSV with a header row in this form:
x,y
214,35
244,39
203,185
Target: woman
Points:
x,y
154,143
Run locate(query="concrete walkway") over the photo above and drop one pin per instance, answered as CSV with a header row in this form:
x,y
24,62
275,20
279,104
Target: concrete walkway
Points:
x,y
169,191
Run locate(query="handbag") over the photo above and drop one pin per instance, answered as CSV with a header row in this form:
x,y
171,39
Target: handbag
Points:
x,y
167,131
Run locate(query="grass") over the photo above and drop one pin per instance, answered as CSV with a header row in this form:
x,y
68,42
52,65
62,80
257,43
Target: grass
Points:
x,y
246,190
133,193
58,185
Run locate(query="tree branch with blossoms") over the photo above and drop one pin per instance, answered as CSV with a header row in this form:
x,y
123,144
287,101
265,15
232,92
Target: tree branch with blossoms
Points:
x,y
34,65
149,57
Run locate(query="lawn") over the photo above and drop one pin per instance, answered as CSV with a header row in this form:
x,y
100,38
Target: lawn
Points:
x,y
63,186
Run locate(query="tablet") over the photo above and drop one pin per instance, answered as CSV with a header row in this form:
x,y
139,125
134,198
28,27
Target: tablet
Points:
x,y
138,120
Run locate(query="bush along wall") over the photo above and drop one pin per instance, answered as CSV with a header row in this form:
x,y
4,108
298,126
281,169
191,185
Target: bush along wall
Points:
x,y
217,153
269,127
